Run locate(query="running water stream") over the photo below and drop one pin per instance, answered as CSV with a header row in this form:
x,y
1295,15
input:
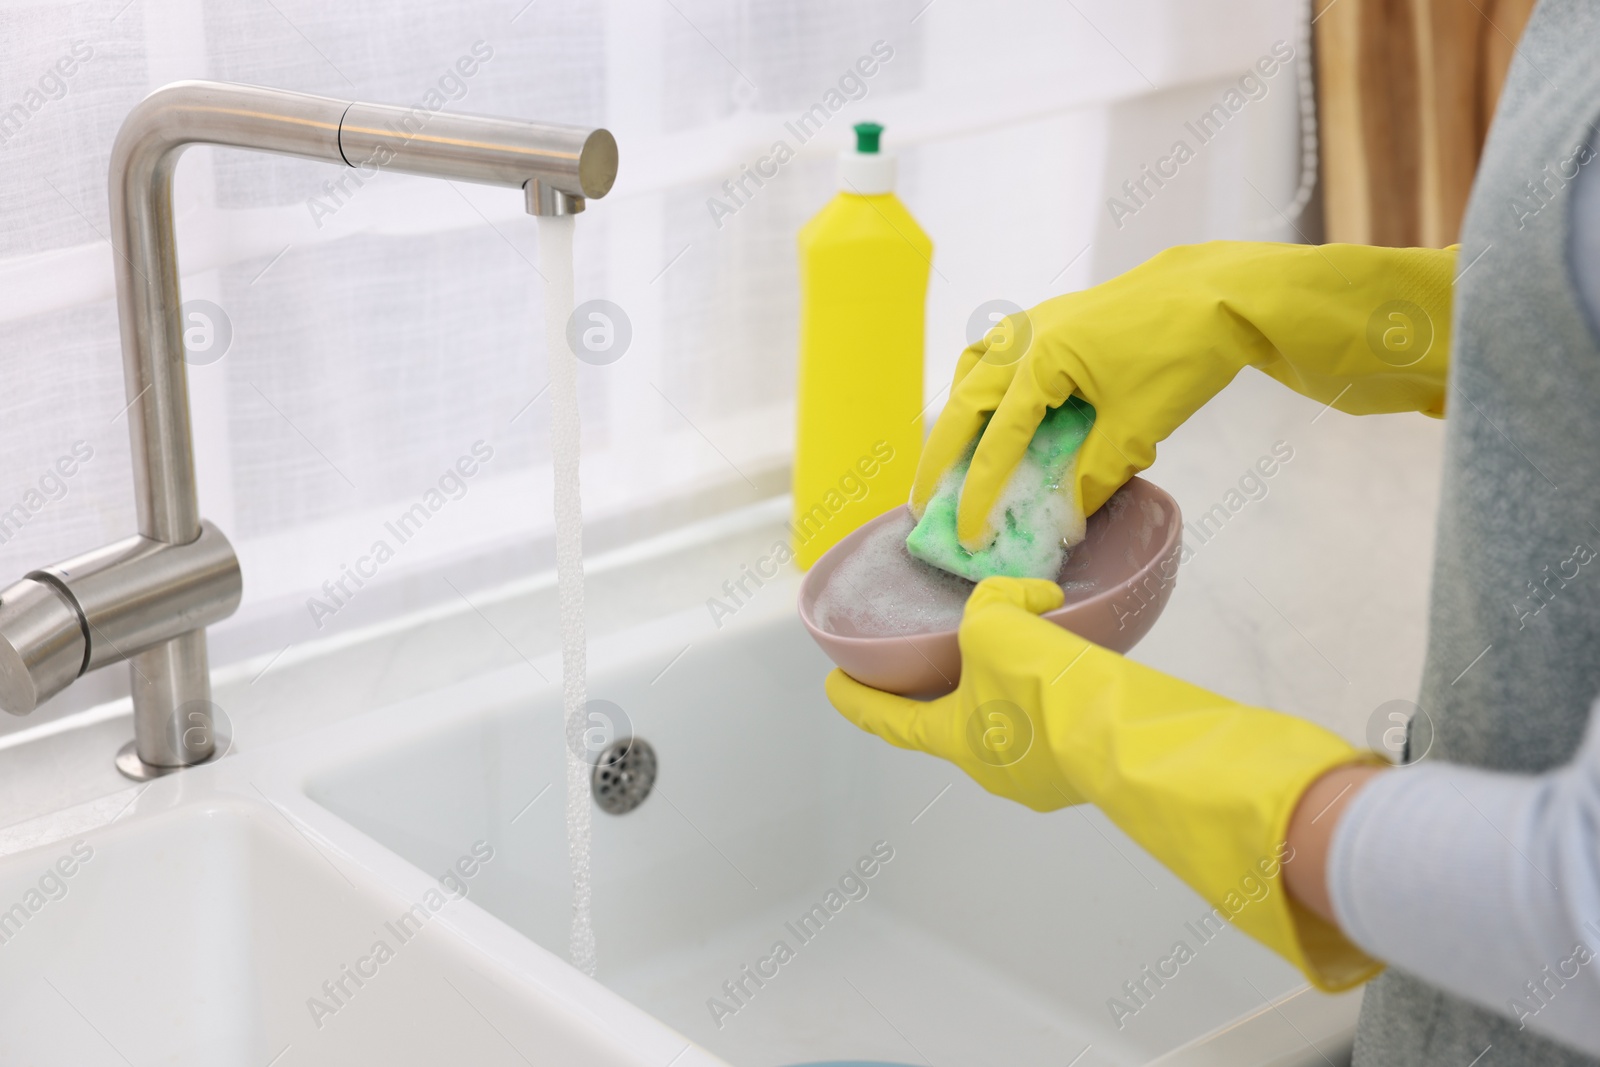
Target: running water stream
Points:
x,y
555,263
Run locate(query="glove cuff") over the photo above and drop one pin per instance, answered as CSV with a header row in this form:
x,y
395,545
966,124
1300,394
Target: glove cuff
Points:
x,y
1208,787
1318,949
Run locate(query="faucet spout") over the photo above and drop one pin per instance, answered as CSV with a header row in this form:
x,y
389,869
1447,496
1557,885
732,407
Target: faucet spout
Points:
x,y
53,624
561,166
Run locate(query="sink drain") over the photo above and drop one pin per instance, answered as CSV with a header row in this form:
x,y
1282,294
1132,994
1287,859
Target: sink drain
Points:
x,y
623,775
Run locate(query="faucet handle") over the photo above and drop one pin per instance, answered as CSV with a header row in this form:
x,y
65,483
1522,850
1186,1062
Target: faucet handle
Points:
x,y
106,605
43,646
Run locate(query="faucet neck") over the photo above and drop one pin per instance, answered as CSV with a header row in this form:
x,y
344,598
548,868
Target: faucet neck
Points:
x,y
143,160
559,167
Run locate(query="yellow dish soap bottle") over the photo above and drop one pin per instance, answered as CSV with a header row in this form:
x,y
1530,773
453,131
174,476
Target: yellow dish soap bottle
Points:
x,y
864,266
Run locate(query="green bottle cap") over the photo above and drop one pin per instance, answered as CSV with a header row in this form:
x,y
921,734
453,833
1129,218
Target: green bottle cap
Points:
x,y
867,134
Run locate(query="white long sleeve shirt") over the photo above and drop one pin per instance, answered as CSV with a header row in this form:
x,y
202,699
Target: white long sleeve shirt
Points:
x,y
1484,884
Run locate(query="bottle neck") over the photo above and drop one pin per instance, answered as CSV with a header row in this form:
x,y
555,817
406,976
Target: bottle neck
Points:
x,y
866,173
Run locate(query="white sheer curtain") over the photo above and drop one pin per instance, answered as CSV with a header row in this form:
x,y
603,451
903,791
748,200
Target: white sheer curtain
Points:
x,y
378,333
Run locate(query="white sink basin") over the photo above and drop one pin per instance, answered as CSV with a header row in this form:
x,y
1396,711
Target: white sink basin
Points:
x,y
204,935
986,934
920,919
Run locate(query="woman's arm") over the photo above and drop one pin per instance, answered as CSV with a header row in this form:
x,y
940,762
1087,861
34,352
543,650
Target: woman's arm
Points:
x,y
1311,834
1484,884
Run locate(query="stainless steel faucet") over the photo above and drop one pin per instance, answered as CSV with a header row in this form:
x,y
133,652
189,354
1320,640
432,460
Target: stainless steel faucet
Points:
x,y
148,599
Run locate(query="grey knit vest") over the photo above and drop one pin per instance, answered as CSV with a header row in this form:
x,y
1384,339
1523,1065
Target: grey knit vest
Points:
x,y
1514,634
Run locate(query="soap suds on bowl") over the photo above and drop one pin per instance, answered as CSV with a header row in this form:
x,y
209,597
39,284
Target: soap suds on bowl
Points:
x,y
1155,517
879,590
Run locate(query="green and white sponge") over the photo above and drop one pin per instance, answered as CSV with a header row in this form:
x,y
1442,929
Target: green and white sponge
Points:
x,y
1037,514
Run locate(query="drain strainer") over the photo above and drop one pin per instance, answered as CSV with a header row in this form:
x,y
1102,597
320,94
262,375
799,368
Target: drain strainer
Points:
x,y
623,775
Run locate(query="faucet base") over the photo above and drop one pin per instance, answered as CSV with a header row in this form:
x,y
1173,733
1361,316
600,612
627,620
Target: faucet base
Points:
x,y
131,766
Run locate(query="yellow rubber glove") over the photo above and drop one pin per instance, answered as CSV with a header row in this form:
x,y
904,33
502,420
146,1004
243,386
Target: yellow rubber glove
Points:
x,y
1364,329
1205,784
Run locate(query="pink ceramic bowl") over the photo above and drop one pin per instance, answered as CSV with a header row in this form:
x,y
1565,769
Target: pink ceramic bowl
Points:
x,y
1116,583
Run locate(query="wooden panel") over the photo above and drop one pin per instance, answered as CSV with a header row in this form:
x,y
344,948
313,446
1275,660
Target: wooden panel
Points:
x,y
1406,91
1368,103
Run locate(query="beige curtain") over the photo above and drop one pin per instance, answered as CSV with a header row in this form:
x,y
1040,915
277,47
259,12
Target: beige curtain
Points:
x,y
1406,90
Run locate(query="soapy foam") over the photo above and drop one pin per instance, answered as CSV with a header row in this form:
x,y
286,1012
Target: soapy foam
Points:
x,y
879,590
1052,518
1035,518
555,263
